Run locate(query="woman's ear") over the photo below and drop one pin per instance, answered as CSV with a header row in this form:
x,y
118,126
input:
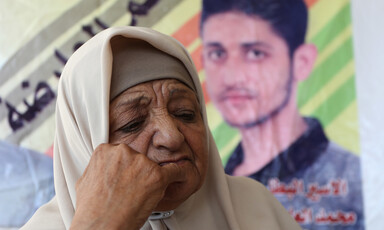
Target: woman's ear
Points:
x,y
304,59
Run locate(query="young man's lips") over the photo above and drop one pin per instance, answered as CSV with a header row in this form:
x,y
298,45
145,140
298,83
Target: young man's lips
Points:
x,y
236,96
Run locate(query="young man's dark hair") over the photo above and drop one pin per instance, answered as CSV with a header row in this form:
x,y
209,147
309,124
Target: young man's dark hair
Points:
x,y
288,18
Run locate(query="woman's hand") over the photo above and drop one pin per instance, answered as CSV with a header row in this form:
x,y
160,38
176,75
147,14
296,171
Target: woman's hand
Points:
x,y
120,188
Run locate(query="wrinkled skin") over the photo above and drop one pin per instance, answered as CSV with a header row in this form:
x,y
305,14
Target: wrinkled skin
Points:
x,y
157,157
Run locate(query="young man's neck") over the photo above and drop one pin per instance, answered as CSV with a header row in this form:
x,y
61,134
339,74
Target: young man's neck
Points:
x,y
262,143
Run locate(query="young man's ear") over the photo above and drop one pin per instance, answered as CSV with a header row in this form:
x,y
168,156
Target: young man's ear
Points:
x,y
304,59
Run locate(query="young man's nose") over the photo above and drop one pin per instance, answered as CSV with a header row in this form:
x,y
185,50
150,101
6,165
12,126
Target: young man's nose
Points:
x,y
234,74
166,133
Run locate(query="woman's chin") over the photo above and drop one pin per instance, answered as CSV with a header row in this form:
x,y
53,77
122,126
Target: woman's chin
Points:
x,y
175,195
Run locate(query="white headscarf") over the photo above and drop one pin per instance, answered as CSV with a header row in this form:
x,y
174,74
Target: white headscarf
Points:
x,y
82,123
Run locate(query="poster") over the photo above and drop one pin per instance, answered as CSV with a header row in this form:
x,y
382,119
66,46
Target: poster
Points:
x,y
289,93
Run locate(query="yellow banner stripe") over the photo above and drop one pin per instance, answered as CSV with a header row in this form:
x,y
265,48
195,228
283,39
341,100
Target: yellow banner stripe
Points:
x,y
333,45
227,150
123,20
344,129
321,13
177,17
202,75
194,45
339,79
214,116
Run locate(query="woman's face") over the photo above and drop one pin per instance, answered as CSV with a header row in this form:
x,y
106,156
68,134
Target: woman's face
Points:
x,y
162,120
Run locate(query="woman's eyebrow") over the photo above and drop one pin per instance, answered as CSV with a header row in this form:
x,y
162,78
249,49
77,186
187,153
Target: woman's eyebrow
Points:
x,y
134,102
180,92
183,94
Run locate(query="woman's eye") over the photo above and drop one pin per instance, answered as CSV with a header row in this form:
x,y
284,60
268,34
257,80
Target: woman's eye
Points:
x,y
188,116
132,126
254,54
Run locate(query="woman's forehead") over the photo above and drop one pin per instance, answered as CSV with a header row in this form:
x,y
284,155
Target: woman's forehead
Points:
x,y
163,85
168,88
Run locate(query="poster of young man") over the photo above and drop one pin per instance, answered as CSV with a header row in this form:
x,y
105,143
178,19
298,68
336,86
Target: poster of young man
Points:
x,y
255,56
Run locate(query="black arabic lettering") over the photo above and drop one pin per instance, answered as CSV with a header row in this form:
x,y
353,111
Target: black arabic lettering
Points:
x,y
88,29
42,97
61,57
100,23
25,84
77,45
14,117
63,60
139,9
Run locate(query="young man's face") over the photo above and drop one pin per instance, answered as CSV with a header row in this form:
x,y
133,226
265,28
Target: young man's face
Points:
x,y
247,66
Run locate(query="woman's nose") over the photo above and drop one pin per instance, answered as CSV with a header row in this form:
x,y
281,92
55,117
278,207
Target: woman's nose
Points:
x,y
166,133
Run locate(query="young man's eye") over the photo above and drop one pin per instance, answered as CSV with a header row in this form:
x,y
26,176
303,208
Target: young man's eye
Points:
x,y
217,54
132,126
254,54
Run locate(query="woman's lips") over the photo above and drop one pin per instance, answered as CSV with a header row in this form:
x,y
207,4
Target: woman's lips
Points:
x,y
179,162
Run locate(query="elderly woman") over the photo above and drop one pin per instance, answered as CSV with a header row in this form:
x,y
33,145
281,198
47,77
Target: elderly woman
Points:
x,y
133,149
